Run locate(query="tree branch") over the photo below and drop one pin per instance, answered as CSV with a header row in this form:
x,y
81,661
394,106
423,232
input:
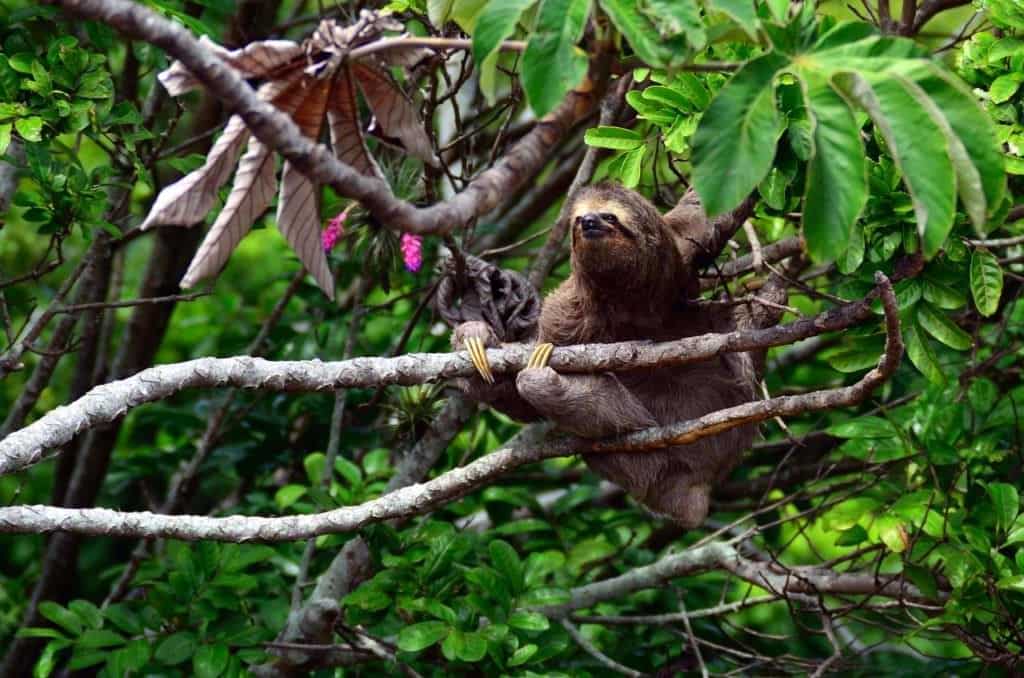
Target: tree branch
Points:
x,y
109,402
532,446
280,134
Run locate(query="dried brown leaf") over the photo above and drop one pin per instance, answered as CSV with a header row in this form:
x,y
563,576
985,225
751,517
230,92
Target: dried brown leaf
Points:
x,y
252,61
298,218
347,130
251,194
187,201
394,110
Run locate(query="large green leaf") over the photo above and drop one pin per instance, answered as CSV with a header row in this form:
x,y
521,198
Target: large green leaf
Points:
x,y
837,183
971,132
496,22
917,144
734,144
552,63
986,281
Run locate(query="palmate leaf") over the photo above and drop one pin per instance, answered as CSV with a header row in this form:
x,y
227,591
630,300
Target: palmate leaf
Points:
x,y
941,139
314,83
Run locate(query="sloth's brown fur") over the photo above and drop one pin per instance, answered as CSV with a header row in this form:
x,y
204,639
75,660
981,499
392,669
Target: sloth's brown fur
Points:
x,y
628,283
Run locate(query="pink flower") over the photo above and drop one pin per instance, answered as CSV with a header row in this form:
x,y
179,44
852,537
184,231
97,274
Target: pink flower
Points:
x,y
335,229
412,251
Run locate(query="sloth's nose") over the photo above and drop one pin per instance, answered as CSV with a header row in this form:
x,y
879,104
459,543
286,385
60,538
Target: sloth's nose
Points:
x,y
590,222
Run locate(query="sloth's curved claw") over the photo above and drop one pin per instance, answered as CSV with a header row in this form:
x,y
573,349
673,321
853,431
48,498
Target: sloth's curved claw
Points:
x,y
478,354
540,356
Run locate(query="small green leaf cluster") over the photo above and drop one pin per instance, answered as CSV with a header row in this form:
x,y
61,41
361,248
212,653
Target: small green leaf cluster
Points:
x,y
194,619
54,96
472,595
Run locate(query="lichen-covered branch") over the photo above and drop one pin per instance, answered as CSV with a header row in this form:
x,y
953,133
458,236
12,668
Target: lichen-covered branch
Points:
x,y
109,402
531,446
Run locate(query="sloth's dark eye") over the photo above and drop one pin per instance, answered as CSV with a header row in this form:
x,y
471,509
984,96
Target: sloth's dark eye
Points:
x,y
611,218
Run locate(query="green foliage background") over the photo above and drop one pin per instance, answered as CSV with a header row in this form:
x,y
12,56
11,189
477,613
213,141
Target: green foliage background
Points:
x,y
859,143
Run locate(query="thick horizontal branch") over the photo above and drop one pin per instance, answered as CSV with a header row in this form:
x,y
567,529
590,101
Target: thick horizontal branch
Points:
x,y
279,133
531,446
109,402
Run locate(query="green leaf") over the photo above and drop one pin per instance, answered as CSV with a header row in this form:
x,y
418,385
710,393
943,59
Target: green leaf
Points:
x,y
507,562
210,660
918,147
421,636
1006,502
986,281
29,128
87,612
175,648
863,427
496,22
615,138
642,34
938,324
942,295
676,17
288,495
314,465
1004,87
5,136
893,534
742,12
851,537
552,63
522,655
528,621
544,596
837,180
61,616
971,134
628,166
96,638
734,144
921,354
472,646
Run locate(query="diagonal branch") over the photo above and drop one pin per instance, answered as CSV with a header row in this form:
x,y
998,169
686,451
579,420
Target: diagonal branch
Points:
x,y
108,402
278,132
532,446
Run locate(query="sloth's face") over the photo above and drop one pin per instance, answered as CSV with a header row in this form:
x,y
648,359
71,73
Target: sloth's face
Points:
x,y
614,239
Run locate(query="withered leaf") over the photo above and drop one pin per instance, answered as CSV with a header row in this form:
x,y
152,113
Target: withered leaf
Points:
x,y
346,130
298,218
394,111
251,194
310,82
255,60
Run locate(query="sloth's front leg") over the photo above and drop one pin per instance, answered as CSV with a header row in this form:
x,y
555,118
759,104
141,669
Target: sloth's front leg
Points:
x,y
589,405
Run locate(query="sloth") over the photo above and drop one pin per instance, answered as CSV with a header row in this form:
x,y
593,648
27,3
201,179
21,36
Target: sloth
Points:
x,y
630,281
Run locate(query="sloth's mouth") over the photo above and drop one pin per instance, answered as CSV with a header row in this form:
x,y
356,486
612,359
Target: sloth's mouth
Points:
x,y
592,230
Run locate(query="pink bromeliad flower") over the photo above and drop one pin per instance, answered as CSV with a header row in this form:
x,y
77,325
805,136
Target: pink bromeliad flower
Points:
x,y
412,251
330,236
